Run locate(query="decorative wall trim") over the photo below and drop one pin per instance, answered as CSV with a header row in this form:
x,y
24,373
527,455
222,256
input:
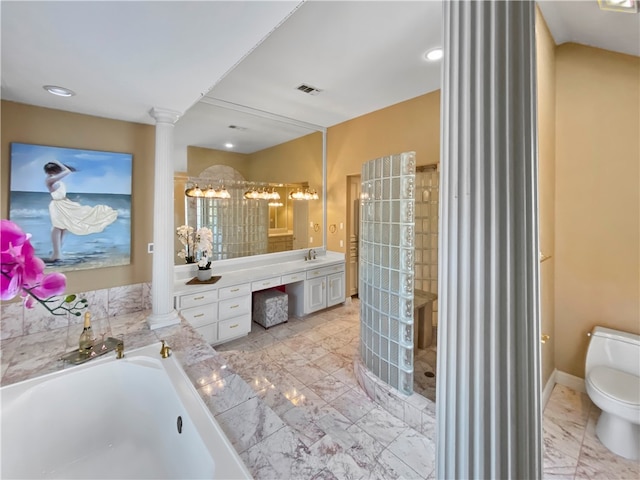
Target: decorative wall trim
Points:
x,y
548,388
571,381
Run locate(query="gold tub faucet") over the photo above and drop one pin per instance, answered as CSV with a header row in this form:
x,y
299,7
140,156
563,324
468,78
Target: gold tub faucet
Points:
x,y
165,350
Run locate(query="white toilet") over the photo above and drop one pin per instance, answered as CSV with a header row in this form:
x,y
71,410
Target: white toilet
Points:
x,y
612,379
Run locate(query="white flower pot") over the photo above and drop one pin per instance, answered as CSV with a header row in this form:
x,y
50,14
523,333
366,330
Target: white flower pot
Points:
x,y
204,275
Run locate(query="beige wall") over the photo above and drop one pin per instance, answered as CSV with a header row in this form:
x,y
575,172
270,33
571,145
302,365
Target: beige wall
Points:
x,y
44,126
296,161
413,125
597,237
198,159
546,77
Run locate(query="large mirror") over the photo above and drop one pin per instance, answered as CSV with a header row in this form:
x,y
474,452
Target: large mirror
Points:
x,y
246,151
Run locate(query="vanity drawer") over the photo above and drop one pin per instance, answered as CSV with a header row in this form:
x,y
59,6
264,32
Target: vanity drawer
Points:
x,y
293,277
235,291
232,307
266,283
234,327
202,315
195,299
319,272
209,332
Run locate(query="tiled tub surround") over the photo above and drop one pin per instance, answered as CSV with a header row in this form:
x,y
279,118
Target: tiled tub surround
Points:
x,y
288,400
16,321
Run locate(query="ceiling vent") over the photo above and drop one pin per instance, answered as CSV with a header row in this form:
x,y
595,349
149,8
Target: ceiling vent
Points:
x,y
309,89
236,127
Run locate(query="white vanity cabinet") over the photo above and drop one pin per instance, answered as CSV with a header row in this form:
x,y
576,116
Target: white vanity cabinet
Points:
x,y
322,288
234,312
219,315
221,311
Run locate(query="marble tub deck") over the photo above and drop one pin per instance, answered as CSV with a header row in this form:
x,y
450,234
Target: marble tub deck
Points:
x,y
288,400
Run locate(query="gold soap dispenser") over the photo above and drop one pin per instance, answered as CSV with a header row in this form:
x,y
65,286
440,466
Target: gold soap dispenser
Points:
x,y
85,344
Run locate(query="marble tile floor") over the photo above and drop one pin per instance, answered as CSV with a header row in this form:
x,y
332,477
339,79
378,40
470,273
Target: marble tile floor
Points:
x,y
303,372
288,401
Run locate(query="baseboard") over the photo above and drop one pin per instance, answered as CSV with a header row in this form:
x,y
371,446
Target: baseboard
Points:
x,y
548,388
571,381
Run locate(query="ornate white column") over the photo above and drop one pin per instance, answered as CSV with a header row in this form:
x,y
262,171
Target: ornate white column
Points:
x,y
488,407
163,313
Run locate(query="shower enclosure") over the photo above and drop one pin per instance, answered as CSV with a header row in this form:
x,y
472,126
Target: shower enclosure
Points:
x,y
387,241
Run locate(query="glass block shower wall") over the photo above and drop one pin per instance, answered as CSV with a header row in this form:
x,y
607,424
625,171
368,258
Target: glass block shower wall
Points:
x,y
387,268
240,226
426,220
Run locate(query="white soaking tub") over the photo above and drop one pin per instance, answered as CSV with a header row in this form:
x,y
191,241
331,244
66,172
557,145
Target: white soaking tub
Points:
x,y
136,417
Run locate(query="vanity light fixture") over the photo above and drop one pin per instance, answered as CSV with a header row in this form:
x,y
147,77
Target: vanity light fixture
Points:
x,y
194,191
275,204
60,91
228,145
304,194
209,192
627,6
434,54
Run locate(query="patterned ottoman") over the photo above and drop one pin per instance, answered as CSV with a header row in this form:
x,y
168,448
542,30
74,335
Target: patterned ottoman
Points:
x,y
270,307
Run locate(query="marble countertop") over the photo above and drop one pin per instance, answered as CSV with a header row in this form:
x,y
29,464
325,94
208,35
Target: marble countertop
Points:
x,y
234,276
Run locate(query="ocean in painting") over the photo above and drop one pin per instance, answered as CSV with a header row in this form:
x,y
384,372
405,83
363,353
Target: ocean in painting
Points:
x,y
111,247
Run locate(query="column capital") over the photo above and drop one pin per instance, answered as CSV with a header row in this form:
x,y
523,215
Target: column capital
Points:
x,y
163,115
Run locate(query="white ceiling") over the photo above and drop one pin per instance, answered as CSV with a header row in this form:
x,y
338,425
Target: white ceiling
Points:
x,y
123,58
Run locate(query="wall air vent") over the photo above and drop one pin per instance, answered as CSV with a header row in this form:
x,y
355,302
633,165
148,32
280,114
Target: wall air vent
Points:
x,y
309,89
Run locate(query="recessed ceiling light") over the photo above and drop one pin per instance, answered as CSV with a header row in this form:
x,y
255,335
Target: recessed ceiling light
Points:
x,y
434,54
60,91
228,145
629,6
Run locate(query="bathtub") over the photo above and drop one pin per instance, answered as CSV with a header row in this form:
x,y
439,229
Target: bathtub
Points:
x,y
137,417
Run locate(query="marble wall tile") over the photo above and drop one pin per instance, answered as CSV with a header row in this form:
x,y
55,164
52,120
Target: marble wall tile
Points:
x,y
97,305
39,319
11,320
146,296
125,299
8,348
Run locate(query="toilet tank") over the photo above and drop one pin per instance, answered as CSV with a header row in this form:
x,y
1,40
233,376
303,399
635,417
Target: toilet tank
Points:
x,y
615,349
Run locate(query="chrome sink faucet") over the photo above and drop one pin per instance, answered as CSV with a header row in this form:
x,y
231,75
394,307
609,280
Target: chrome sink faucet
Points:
x,y
311,255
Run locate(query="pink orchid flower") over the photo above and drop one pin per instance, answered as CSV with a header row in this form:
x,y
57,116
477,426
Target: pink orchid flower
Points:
x,y
22,272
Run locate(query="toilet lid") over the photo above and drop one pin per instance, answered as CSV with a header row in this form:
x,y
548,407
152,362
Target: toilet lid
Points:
x,y
621,386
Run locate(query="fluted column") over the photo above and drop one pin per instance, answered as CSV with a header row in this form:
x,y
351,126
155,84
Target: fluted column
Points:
x,y
488,407
163,313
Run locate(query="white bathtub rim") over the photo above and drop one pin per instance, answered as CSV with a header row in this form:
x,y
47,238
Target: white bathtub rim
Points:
x,y
199,412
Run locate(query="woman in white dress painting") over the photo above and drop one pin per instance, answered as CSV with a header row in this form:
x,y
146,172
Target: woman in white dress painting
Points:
x,y
67,215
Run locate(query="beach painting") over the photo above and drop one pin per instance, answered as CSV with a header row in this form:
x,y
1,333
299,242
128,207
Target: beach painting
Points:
x,y
75,203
